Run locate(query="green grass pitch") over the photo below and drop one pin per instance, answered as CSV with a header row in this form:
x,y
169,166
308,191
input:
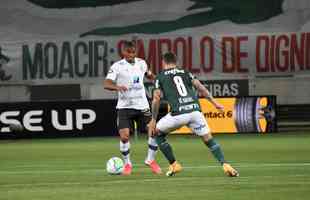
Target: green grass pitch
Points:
x,y
274,166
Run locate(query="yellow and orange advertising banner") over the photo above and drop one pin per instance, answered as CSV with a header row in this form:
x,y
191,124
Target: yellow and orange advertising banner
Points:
x,y
241,114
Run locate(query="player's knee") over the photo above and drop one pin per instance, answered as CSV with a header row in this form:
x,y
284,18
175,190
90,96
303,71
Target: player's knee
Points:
x,y
124,135
206,137
157,131
124,140
160,138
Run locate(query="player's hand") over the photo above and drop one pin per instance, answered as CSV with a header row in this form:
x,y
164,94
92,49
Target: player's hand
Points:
x,y
150,75
219,107
151,128
122,88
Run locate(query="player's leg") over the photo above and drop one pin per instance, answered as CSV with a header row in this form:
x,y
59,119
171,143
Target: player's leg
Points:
x,y
123,125
200,127
217,152
143,118
150,158
163,127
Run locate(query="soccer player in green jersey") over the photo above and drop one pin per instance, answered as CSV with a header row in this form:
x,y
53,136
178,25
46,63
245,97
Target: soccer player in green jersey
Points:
x,y
177,85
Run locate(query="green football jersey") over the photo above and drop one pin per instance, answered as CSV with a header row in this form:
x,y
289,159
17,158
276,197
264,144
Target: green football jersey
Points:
x,y
177,88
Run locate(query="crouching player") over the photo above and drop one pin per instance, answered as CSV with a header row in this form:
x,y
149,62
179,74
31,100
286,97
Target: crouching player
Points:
x,y
177,84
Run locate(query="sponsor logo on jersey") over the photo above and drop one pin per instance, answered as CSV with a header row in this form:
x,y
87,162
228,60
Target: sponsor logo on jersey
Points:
x,y
136,79
174,71
188,107
186,99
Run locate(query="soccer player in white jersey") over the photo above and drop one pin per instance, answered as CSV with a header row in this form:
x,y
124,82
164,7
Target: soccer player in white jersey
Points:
x,y
126,76
177,85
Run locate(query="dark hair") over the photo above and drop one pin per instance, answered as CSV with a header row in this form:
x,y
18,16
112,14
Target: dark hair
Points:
x,y
129,44
170,58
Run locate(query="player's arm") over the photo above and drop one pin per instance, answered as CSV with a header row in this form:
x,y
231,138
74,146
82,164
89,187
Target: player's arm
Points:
x,y
155,103
155,111
149,75
205,93
148,72
109,82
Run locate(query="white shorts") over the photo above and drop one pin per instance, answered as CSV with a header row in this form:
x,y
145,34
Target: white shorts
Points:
x,y
194,120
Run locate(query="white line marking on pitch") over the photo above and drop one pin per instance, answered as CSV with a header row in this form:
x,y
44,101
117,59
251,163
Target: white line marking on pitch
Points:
x,y
143,167
220,180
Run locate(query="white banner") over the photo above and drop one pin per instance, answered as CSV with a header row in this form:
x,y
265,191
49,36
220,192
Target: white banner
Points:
x,y
208,56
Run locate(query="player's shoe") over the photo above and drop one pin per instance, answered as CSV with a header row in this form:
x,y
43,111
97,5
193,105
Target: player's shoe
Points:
x,y
174,168
229,170
154,166
127,169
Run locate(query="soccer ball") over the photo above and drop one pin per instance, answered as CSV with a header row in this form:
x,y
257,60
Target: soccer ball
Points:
x,y
115,166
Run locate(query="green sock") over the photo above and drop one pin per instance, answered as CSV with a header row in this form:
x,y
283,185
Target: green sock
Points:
x,y
216,150
165,147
